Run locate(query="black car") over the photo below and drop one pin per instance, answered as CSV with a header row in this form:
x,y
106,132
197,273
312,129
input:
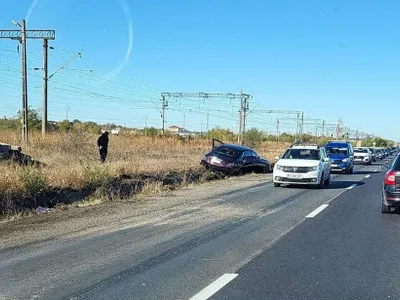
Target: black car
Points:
x,y
391,187
234,159
379,154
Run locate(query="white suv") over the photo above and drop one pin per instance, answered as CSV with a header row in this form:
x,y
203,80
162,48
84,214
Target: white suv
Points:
x,y
303,164
363,155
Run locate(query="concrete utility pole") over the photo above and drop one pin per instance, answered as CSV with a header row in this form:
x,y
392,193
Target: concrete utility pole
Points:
x,y
67,113
145,125
45,70
323,129
22,35
277,130
24,84
208,119
302,127
244,107
163,113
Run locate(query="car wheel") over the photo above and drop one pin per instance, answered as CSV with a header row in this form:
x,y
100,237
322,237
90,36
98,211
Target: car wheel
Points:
x,y
327,181
369,163
266,169
385,209
277,184
321,182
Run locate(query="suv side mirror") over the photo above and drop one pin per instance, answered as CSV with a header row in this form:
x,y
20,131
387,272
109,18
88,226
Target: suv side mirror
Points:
x,y
277,157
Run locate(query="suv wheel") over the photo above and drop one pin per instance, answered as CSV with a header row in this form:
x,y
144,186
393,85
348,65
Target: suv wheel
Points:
x,y
321,182
327,181
385,209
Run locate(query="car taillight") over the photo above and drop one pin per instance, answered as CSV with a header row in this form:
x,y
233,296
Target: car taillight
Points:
x,y
390,178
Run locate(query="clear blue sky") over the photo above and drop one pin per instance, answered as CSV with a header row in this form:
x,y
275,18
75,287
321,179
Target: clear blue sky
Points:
x,y
327,58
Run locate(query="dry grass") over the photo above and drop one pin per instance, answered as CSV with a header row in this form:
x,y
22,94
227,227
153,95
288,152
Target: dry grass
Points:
x,y
72,159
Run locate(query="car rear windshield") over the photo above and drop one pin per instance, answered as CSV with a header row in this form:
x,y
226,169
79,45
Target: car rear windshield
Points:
x,y
336,150
302,154
226,153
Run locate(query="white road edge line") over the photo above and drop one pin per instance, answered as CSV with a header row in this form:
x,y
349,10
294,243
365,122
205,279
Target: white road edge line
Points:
x,y
368,176
352,186
214,287
317,211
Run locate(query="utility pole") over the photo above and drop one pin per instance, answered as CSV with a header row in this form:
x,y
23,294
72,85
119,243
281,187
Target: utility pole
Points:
x,y
302,126
240,125
163,113
145,125
24,84
66,113
277,130
244,106
323,128
297,127
44,103
208,119
184,120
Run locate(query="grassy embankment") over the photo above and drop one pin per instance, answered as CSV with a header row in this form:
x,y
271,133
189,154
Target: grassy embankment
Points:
x,y
143,164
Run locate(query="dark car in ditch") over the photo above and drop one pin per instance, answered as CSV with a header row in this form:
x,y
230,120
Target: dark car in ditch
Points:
x,y
234,159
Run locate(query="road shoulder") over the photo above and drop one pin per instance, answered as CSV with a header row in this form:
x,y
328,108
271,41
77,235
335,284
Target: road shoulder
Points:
x,y
110,216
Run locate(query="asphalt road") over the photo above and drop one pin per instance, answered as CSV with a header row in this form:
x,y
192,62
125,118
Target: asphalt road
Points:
x,y
272,243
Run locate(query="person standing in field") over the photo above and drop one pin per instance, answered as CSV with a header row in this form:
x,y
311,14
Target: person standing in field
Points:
x,y
102,143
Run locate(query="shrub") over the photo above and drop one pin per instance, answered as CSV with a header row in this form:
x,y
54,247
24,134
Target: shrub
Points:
x,y
33,180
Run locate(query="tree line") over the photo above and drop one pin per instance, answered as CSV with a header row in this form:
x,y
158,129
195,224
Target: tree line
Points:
x,y
252,137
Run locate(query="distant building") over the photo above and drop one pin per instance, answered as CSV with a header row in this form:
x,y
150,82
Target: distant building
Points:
x,y
179,130
115,131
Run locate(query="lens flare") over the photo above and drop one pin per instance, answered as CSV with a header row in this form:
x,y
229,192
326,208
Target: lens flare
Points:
x,y
128,53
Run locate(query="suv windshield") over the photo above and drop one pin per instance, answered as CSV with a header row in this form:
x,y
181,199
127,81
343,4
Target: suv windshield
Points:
x,y
336,150
302,154
360,150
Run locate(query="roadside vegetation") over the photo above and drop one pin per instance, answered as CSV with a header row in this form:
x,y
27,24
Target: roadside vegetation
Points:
x,y
71,170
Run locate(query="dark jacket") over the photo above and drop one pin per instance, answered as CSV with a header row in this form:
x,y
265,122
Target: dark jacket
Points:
x,y
103,140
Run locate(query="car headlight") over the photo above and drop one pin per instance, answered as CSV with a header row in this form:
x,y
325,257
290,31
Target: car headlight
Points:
x,y
345,160
311,169
279,168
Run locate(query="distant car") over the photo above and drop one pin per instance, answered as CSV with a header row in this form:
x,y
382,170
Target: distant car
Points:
x,y
379,154
386,152
362,155
234,159
303,164
341,156
391,187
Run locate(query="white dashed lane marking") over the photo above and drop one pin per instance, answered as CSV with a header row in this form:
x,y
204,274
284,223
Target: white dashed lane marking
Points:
x,y
352,186
214,287
317,211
